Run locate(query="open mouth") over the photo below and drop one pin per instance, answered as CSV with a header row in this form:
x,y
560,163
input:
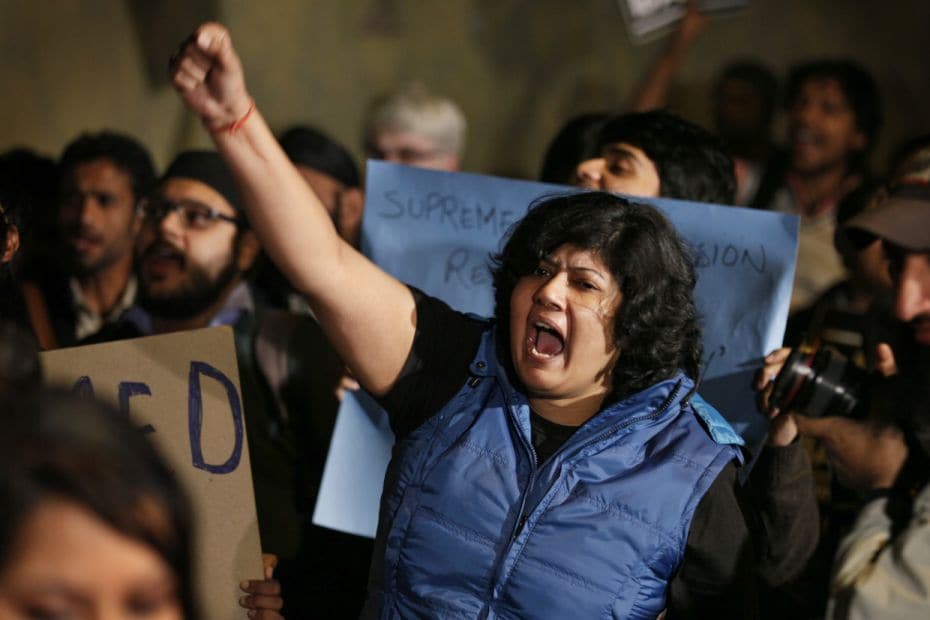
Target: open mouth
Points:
x,y
161,258
545,341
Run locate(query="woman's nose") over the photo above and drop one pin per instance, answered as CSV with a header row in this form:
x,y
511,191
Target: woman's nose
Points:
x,y
552,292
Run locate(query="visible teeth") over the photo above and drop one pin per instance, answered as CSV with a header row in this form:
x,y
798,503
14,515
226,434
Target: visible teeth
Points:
x,y
536,352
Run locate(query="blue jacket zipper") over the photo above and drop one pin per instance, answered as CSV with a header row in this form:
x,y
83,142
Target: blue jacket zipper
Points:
x,y
523,516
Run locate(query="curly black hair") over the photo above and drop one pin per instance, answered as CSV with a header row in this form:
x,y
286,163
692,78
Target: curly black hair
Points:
x,y
656,327
690,161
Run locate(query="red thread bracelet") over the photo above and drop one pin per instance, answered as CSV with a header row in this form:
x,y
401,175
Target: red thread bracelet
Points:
x,y
235,126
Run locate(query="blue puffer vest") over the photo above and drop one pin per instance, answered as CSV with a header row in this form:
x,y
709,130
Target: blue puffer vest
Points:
x,y
472,527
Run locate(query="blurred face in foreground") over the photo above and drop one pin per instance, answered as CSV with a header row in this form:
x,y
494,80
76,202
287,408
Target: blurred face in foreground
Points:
x,y
67,564
561,326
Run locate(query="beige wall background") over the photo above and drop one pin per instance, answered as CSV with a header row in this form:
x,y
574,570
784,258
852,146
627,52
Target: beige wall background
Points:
x,y
518,68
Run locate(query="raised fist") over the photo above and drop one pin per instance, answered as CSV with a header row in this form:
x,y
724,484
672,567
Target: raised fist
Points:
x,y
207,73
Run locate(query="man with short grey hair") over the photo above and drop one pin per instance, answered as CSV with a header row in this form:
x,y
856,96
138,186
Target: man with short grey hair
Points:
x,y
416,127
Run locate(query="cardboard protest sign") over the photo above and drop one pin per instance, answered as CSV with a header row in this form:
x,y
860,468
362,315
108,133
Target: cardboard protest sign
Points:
x,y
436,230
648,18
183,391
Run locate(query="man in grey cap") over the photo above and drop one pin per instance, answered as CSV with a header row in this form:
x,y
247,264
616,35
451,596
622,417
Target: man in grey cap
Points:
x,y
903,224
882,566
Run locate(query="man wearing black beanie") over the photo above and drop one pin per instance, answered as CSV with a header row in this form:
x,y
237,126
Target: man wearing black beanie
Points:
x,y
194,248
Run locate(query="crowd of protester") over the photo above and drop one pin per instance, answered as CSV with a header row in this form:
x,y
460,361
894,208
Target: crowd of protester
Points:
x,y
96,245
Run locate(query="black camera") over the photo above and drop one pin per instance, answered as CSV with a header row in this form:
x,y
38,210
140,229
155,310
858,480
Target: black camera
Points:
x,y
820,381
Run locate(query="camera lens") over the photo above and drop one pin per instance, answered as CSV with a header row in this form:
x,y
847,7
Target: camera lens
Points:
x,y
818,383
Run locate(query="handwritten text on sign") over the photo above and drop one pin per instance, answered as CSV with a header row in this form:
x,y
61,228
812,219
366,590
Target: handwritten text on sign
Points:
x,y
127,389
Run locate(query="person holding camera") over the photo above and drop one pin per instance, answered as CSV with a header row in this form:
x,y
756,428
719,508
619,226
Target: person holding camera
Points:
x,y
882,566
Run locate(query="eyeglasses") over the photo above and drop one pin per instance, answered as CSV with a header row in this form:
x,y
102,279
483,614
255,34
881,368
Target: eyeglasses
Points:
x,y
193,215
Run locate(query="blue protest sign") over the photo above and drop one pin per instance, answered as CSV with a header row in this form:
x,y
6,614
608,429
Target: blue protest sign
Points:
x,y
436,230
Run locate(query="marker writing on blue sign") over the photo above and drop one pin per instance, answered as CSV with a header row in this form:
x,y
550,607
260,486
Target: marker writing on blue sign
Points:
x,y
460,269
448,210
720,350
729,255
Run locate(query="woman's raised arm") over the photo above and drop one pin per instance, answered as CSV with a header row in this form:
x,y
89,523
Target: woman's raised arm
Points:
x,y
369,316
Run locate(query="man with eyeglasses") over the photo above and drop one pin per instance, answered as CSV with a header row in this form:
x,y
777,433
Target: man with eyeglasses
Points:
x,y
195,250
102,177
